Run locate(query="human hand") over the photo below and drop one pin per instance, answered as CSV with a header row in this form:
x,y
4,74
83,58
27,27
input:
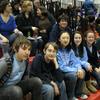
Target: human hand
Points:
x,y
80,74
97,70
56,89
18,32
54,60
90,68
3,39
43,31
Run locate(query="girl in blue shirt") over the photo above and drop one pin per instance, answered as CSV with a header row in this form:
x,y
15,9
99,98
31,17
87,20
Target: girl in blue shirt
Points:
x,y
7,21
70,66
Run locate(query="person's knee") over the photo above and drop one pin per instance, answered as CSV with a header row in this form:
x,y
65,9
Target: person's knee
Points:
x,y
63,85
49,91
74,77
14,92
36,82
17,91
71,77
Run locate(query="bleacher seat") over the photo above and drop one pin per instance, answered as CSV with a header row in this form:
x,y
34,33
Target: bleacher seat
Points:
x,y
94,96
31,59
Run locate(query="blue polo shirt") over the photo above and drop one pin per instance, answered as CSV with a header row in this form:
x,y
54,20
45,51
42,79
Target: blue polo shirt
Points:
x,y
7,28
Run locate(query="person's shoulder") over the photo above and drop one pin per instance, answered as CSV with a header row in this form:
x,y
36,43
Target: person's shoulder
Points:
x,y
20,16
12,18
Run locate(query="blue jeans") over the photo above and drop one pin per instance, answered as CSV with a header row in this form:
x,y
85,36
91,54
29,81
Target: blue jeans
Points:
x,y
73,85
63,93
48,91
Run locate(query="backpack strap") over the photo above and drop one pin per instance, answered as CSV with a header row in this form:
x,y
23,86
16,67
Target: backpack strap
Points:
x,y
6,76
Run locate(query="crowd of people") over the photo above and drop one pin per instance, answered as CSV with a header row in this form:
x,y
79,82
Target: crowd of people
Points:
x,y
66,51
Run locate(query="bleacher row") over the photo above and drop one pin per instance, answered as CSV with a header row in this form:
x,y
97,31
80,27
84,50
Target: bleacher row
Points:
x,y
95,96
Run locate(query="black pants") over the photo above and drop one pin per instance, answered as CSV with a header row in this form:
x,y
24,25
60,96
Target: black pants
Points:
x,y
16,92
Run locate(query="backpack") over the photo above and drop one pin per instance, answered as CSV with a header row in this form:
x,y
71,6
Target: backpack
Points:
x,y
5,68
89,8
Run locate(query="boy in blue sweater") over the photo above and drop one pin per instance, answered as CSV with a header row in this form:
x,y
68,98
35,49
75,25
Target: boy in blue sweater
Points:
x,y
16,84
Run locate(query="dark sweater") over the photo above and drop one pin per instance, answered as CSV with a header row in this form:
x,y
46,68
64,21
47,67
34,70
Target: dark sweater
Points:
x,y
56,31
25,24
92,56
45,71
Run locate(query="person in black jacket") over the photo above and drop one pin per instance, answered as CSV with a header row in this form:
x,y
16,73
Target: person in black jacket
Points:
x,y
25,20
61,25
26,24
45,67
92,58
16,83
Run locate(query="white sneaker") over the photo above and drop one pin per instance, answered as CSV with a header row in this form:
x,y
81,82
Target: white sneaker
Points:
x,y
83,96
74,98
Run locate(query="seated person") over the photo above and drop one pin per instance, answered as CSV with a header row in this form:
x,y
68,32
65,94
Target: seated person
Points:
x,y
13,85
61,25
45,67
92,54
7,21
71,67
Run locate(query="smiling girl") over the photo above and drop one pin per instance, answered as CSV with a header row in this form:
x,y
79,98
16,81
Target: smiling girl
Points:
x,y
92,55
70,66
81,54
45,66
